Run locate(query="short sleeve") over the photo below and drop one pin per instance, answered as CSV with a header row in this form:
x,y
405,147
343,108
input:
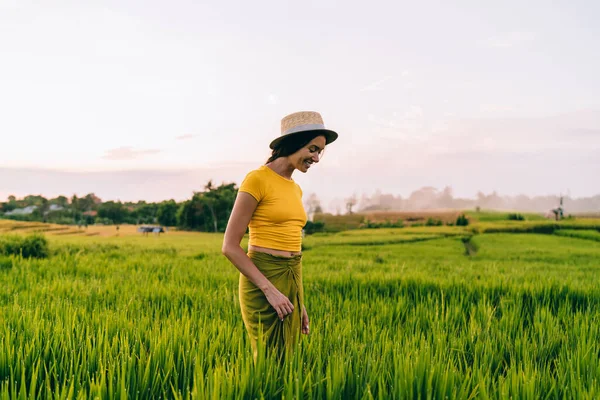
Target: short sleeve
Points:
x,y
253,185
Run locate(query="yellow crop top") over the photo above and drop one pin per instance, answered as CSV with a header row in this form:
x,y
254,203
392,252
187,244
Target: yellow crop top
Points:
x,y
279,217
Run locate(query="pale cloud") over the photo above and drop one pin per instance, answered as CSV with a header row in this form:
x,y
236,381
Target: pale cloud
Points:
x,y
408,124
495,108
509,39
584,132
414,112
127,153
186,137
432,137
439,127
383,122
376,85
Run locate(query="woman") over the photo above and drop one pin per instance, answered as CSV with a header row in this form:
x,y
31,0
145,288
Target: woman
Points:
x,y
269,203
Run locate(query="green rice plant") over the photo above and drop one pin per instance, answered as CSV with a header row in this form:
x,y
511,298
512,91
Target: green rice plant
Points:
x,y
515,217
495,216
471,246
391,317
546,227
33,245
462,220
580,234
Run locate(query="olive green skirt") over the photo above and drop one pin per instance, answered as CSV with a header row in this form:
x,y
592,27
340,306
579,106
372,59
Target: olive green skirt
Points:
x,y
260,318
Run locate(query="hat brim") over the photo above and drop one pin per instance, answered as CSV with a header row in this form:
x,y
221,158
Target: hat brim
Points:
x,y
330,136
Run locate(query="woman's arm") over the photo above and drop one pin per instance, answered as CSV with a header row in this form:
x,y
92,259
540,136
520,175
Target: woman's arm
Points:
x,y
241,214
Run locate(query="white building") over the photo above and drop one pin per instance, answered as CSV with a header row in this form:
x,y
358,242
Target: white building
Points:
x,y
22,211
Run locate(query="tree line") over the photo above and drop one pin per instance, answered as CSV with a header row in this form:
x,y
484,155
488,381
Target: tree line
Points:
x,y
207,210
429,197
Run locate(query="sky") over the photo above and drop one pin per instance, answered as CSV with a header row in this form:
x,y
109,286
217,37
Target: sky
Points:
x,y
148,100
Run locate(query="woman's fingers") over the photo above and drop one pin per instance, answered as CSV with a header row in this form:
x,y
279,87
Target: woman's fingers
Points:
x,y
282,312
285,309
282,305
289,307
305,326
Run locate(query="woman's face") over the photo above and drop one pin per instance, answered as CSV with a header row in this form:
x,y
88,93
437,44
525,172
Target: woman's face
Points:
x,y
309,154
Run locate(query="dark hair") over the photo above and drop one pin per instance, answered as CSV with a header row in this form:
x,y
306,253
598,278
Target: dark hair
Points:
x,y
291,145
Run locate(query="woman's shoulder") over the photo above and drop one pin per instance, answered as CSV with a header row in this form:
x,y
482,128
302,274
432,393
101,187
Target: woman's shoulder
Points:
x,y
256,173
254,184
255,177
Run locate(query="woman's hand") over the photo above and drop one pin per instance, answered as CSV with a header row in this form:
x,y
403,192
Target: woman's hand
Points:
x,y
282,305
305,327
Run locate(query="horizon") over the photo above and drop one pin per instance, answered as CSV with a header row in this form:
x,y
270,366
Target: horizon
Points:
x,y
532,202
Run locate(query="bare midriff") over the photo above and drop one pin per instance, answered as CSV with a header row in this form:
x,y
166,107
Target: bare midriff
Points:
x,y
281,253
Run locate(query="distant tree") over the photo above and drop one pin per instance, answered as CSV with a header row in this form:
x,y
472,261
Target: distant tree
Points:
x,y
144,213
350,202
492,200
89,202
114,211
75,202
208,210
312,227
516,217
446,199
61,201
219,202
10,205
75,208
462,220
312,206
365,202
167,213
210,200
424,197
191,214
43,207
35,200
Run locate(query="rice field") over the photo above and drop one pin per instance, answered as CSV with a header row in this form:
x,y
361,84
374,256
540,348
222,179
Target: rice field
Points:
x,y
395,313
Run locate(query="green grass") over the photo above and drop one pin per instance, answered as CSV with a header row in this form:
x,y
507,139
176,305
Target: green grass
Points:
x,y
580,234
493,216
547,226
391,317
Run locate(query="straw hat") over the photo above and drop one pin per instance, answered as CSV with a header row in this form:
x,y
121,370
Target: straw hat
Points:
x,y
302,122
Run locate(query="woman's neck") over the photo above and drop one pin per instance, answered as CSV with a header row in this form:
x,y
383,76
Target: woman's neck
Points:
x,y
283,167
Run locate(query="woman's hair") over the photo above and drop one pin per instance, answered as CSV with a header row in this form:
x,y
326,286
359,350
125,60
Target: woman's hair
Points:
x,y
291,145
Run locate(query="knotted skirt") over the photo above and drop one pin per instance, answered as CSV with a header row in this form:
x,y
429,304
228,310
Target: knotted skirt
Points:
x,y
260,318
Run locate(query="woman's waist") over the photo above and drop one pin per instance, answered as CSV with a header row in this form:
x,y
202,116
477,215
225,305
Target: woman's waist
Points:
x,y
274,252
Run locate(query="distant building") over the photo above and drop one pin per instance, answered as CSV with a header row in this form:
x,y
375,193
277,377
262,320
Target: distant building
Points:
x,y
22,211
